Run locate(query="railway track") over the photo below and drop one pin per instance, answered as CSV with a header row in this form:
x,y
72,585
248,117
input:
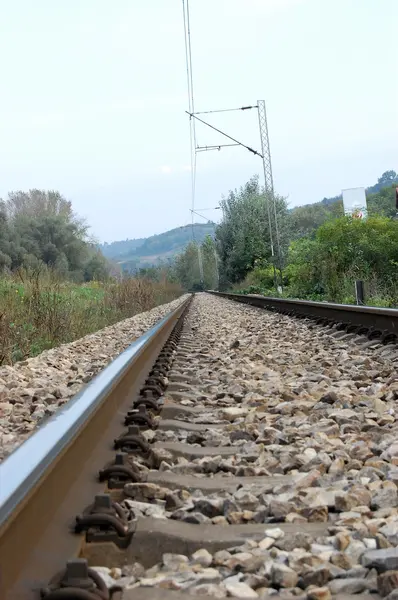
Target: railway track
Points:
x,y
228,452
372,322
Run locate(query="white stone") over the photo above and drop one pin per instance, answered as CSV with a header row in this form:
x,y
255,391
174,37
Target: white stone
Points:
x,y
208,575
266,543
276,533
239,589
172,561
209,589
104,573
234,412
152,581
202,557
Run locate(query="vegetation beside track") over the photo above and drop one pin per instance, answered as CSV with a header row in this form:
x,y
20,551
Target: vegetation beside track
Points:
x,y
55,285
325,266
322,253
39,310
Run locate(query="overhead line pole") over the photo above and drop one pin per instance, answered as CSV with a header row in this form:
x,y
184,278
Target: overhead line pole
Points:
x,y
265,155
265,147
195,148
269,185
214,247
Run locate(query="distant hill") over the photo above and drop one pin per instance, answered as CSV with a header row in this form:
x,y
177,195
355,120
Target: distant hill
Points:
x,y
387,179
157,249
306,219
116,249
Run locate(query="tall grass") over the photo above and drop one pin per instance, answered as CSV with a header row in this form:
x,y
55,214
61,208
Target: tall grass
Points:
x,y
38,310
377,293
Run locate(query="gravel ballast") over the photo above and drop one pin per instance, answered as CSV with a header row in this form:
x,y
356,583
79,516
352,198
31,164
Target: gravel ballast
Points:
x,y
278,398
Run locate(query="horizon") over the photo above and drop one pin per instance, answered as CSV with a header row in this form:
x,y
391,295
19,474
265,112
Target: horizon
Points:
x,y
103,119
217,222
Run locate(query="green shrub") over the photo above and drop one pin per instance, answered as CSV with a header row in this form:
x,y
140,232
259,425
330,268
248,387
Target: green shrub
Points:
x,y
39,311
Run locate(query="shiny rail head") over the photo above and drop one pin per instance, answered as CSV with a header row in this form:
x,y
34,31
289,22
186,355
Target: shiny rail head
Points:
x,y
385,320
392,312
23,468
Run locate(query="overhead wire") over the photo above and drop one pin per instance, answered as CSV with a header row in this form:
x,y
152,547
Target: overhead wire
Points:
x,y
191,70
203,217
210,208
225,135
193,110
217,147
208,112
192,131
192,125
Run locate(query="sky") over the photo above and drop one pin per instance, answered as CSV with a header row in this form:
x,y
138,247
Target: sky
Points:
x,y
94,94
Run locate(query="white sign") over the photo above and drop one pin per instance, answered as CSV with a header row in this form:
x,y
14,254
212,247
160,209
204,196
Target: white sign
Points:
x,y
354,202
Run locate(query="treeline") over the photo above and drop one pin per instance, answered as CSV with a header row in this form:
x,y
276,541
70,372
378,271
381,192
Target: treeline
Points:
x,y
194,269
163,243
380,200
55,285
318,252
325,265
197,268
39,229
321,252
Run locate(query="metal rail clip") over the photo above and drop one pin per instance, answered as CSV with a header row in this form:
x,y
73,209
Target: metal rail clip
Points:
x,y
133,442
148,400
76,582
141,418
105,521
120,472
153,388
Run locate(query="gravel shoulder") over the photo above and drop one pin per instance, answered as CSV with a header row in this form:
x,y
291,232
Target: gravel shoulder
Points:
x,y
32,390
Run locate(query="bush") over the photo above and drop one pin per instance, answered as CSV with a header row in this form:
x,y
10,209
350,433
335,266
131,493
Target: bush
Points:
x,y
262,276
343,251
39,311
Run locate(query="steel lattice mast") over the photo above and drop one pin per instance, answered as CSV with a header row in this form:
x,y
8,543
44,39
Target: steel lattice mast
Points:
x,y
268,178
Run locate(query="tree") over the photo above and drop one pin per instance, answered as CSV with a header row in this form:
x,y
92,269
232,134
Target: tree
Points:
x,y
305,220
210,268
49,236
5,261
96,268
243,235
387,179
5,258
383,202
40,228
344,250
187,267
36,202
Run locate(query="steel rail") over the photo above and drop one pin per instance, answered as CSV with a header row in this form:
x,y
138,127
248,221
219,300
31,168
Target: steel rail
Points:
x,y
374,322
51,477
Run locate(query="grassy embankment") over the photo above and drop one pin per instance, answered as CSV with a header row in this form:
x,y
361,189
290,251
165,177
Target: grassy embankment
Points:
x,y
373,297
38,312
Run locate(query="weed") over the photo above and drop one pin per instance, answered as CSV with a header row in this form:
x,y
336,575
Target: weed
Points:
x,y
39,311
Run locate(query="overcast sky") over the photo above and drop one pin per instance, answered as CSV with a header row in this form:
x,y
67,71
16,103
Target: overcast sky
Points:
x,y
93,97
